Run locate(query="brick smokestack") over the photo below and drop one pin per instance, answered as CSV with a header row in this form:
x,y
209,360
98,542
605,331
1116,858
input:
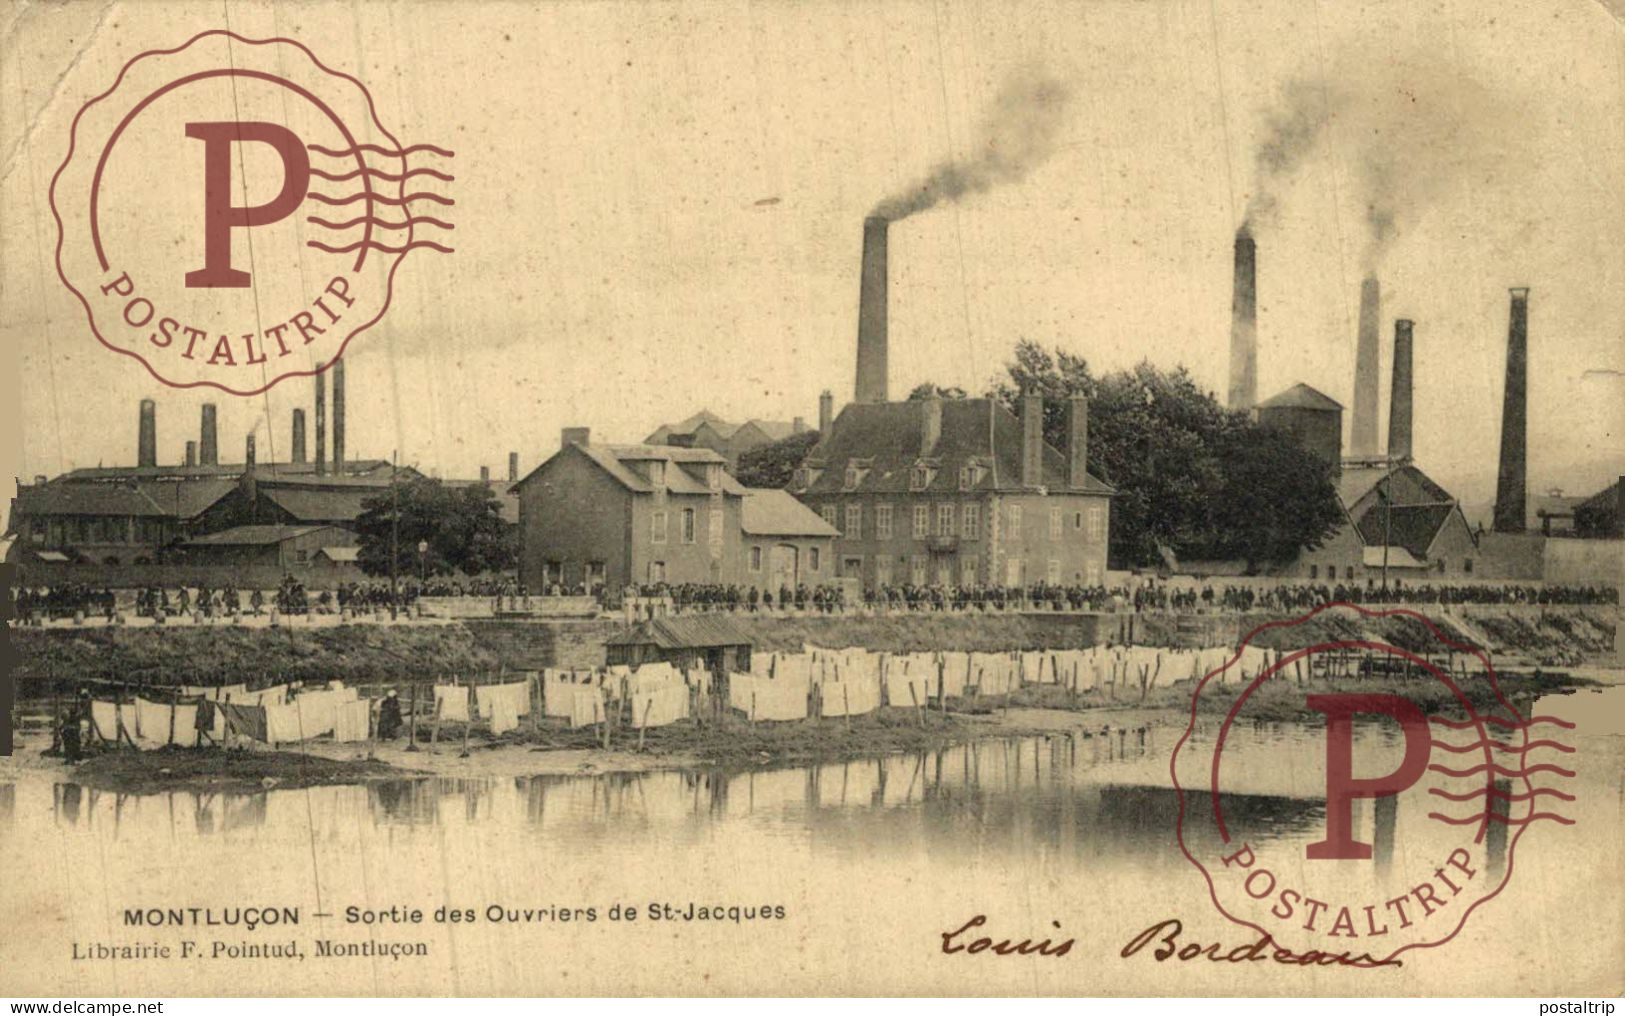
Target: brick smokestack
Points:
x,y
146,438
338,417
513,467
1244,324
1399,397
1510,486
208,448
1032,439
299,435
191,453
871,381
1367,369
321,424
930,423
248,452
826,411
1077,442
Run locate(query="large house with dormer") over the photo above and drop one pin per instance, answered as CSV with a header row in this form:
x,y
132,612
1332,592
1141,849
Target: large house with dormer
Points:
x,y
958,492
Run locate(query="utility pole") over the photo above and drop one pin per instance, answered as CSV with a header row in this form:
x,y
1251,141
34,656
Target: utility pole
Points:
x,y
395,532
1387,531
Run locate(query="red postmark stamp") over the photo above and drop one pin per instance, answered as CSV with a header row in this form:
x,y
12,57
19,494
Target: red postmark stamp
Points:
x,y
231,212
1428,774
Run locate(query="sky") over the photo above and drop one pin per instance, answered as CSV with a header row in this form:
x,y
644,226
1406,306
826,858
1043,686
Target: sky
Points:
x,y
659,209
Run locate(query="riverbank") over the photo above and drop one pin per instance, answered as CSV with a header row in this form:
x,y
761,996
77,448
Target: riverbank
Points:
x,y
218,770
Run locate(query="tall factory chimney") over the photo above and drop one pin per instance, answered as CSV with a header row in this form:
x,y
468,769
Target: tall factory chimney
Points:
x,y
1032,439
1244,324
146,440
513,467
248,452
1367,370
826,411
1399,397
191,453
1510,489
338,418
871,381
208,450
321,424
1077,442
299,436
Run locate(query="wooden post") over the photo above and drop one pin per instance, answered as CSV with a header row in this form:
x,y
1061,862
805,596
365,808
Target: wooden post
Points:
x,y
919,713
533,685
846,705
644,729
412,721
468,709
434,731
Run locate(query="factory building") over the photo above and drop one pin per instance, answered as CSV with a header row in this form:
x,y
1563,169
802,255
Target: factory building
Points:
x,y
598,515
706,429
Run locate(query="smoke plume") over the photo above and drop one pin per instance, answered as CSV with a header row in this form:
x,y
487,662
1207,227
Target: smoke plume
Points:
x,y
1413,131
1018,133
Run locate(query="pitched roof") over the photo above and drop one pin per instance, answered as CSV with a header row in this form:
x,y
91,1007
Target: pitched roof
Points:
x,y
1412,526
690,425
252,536
778,513
615,460
65,498
886,436
1406,484
226,469
317,505
691,631
1301,396
773,430
187,498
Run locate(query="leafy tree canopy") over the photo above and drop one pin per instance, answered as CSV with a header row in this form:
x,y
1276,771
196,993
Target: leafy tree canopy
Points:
x,y
462,527
771,465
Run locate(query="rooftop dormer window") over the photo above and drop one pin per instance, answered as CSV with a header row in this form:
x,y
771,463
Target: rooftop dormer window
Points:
x,y
920,477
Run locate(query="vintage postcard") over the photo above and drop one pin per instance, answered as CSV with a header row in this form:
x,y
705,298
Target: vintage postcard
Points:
x,y
755,498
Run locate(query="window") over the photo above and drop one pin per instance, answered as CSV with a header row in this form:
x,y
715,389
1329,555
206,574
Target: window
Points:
x,y
970,521
852,567
1091,573
1052,569
1314,571
853,475
854,522
688,525
657,571
1014,518
827,513
882,521
919,478
967,571
1467,565
883,570
1077,520
922,521
301,557
713,476
657,527
917,569
964,478
1441,566
755,559
1055,523
813,560
945,520
1097,522
1348,571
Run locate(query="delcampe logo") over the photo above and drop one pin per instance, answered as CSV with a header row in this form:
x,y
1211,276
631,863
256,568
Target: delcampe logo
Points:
x,y
232,212
1430,777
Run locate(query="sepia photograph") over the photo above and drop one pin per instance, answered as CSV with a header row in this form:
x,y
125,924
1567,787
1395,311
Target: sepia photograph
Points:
x,y
741,498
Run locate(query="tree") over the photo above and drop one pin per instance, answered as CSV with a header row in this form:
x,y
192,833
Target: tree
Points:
x,y
926,389
1191,476
772,465
462,526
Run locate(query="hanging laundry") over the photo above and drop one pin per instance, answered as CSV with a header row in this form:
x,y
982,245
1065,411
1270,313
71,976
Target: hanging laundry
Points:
x,y
318,712
186,723
660,707
152,722
282,724
503,716
245,721
856,697
105,716
350,721
451,702
780,699
586,705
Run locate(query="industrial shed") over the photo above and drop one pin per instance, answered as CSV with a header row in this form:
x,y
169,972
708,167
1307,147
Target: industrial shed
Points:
x,y
714,641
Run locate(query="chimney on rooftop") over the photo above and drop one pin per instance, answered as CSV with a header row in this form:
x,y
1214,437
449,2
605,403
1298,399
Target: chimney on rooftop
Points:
x,y
1510,490
485,475
1244,323
1367,370
299,435
338,417
146,441
208,450
1077,442
826,411
248,452
575,436
1032,439
321,424
871,380
1399,398
798,425
191,453
513,467
930,422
